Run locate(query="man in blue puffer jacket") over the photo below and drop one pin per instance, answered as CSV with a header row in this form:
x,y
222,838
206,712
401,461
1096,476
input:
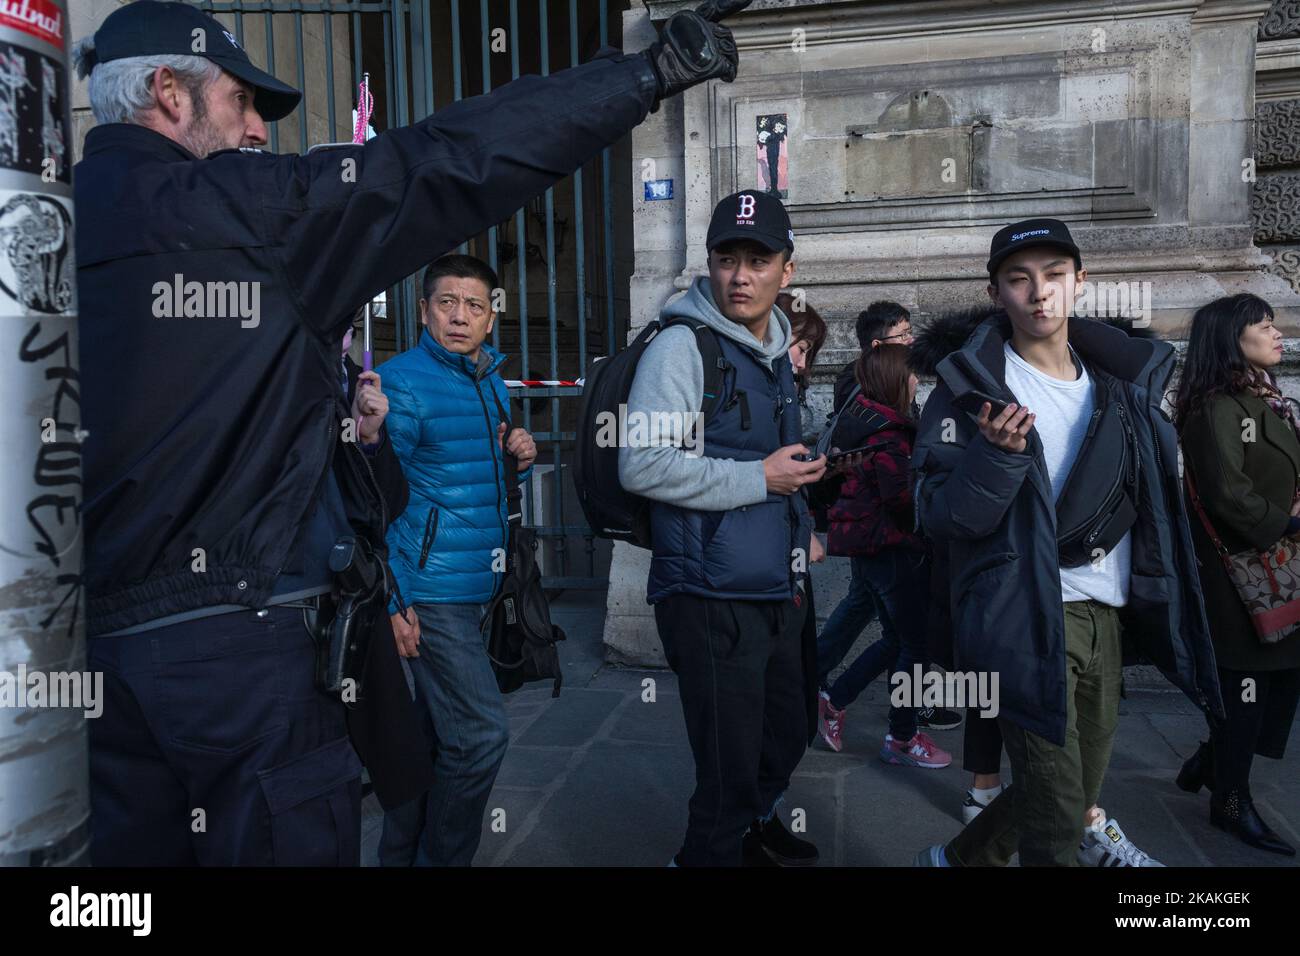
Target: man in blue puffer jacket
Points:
x,y
448,421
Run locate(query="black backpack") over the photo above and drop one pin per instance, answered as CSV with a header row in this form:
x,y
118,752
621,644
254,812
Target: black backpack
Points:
x,y
517,630
610,511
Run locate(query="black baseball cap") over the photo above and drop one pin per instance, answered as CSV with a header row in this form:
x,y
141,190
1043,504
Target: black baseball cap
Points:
x,y
1031,233
751,214
150,28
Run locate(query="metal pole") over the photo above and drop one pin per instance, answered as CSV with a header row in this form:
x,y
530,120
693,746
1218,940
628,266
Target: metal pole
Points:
x,y
485,29
44,770
616,338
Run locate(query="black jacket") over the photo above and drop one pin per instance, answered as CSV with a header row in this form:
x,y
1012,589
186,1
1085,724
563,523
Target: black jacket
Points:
x,y
995,512
383,723
215,432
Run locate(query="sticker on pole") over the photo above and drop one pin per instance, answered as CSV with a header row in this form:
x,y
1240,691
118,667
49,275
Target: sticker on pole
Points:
x,y
33,117
37,274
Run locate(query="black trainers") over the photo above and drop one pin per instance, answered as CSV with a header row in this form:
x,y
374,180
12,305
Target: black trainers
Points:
x,y
771,844
937,718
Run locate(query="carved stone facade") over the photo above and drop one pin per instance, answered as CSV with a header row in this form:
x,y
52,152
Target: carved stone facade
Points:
x,y
1275,196
1282,21
1277,134
1286,263
1275,207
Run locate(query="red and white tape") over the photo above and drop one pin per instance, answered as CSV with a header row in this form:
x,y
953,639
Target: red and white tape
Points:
x,y
542,383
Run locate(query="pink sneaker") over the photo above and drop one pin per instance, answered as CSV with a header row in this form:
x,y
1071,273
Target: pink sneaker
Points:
x,y
920,751
831,722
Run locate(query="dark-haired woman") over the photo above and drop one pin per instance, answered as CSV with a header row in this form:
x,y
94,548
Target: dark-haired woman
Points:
x,y
807,332
807,335
871,523
1241,448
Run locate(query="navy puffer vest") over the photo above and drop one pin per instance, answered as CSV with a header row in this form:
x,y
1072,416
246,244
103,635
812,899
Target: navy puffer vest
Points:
x,y
747,553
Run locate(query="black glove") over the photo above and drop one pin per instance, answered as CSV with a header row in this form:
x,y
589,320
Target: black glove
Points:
x,y
693,47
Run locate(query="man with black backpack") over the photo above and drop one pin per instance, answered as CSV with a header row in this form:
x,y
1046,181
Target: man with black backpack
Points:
x,y
729,528
1056,520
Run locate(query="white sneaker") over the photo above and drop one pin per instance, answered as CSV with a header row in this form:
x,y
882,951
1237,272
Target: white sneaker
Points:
x,y
971,807
1104,844
931,856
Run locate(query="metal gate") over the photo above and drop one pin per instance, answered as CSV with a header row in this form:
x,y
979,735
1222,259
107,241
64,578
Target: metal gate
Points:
x,y
423,53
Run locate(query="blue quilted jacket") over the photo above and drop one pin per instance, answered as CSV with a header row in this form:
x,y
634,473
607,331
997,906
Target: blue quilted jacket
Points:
x,y
442,421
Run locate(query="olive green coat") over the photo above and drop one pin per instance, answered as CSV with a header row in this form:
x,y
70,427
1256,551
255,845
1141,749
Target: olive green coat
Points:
x,y
1245,460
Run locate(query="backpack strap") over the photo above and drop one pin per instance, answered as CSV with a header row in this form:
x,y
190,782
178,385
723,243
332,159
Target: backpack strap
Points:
x,y
832,419
715,366
514,496
834,416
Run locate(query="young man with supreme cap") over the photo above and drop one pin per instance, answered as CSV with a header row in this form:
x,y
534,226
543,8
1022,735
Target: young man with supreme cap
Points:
x,y
220,471
1030,601
731,535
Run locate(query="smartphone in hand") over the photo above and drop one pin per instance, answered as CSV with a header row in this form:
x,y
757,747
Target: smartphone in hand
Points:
x,y
974,400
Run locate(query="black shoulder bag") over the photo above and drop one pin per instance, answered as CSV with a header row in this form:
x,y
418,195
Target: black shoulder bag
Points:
x,y
517,631
1098,504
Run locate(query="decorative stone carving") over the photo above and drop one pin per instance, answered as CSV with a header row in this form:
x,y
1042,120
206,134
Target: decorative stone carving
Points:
x,y
1286,263
1277,133
1282,21
1275,207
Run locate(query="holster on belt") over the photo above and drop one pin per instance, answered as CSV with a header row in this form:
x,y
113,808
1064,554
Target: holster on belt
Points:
x,y
358,596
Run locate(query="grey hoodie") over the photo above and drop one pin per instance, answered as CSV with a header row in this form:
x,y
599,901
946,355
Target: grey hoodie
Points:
x,y
670,379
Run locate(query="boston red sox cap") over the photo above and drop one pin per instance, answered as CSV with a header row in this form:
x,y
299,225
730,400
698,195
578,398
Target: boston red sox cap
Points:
x,y
150,27
751,214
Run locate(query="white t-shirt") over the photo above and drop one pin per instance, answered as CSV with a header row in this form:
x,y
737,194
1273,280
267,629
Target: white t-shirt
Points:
x,y
1061,414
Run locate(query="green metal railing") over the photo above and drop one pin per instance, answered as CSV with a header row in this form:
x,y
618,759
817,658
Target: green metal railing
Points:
x,y
405,85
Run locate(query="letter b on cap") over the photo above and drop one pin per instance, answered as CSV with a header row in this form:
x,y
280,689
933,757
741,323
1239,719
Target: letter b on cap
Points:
x,y
746,206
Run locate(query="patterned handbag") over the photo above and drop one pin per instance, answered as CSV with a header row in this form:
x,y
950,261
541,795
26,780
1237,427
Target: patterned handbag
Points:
x,y
1268,581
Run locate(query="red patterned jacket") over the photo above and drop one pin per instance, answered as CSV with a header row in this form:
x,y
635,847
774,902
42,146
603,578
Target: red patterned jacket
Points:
x,y
874,509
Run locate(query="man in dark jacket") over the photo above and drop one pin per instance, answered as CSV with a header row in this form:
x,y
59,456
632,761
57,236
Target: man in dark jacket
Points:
x,y
731,532
215,282
989,486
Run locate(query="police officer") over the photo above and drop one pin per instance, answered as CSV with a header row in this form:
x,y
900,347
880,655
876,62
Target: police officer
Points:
x,y
216,282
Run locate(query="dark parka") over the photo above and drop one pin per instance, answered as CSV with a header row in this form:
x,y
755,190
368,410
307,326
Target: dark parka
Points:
x,y
1246,487
995,511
